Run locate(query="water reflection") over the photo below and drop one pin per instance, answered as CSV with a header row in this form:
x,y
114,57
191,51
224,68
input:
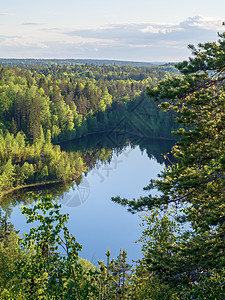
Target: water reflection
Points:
x,y
96,150
119,165
118,142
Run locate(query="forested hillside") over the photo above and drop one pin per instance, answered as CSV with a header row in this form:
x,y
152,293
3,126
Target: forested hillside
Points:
x,y
70,101
41,105
183,233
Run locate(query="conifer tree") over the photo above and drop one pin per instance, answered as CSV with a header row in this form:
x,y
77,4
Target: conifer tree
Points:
x,y
195,184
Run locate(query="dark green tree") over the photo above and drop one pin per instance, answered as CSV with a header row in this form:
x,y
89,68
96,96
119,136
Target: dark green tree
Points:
x,y
195,184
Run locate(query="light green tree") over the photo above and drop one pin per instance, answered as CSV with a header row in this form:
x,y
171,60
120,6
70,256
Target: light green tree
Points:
x,y
52,269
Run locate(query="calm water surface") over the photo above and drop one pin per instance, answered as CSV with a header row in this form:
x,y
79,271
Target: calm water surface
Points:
x,y
95,220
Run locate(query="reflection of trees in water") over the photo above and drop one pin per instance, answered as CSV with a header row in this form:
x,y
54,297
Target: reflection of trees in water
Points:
x,y
92,146
157,149
23,196
95,151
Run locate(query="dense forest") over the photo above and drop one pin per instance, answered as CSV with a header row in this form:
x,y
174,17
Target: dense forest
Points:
x,y
183,228
45,105
71,101
99,62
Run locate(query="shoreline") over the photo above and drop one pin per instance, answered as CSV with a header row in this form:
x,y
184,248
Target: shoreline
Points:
x,y
21,187
119,132
40,184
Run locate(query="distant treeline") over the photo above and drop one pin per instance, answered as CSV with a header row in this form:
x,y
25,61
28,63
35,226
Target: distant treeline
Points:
x,y
98,62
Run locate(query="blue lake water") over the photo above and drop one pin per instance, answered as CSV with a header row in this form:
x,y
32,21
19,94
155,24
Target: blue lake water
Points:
x,y
94,219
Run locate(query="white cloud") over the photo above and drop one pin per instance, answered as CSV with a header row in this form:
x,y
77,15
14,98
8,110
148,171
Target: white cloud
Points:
x,y
203,23
20,42
160,29
131,41
192,29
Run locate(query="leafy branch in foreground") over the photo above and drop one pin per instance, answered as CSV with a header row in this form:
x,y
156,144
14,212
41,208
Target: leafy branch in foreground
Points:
x,y
48,273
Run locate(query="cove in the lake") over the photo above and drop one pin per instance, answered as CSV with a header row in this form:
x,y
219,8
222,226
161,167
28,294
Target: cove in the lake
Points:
x,y
117,165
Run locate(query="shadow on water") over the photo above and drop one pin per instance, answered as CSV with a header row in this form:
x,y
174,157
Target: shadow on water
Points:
x,y
155,148
95,150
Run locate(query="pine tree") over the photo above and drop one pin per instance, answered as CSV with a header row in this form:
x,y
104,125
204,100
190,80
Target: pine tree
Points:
x,y
195,184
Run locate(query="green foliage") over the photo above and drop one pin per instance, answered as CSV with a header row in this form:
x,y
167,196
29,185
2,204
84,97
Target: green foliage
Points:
x,y
54,103
161,238
62,98
44,264
192,258
158,275
46,273
114,278
23,164
10,254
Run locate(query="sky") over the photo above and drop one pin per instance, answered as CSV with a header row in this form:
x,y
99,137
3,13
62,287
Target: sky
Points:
x,y
140,30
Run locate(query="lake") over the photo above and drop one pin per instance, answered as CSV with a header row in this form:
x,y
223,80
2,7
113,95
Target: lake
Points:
x,y
118,165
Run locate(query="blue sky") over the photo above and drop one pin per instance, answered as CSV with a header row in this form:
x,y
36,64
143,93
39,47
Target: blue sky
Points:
x,y
141,30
